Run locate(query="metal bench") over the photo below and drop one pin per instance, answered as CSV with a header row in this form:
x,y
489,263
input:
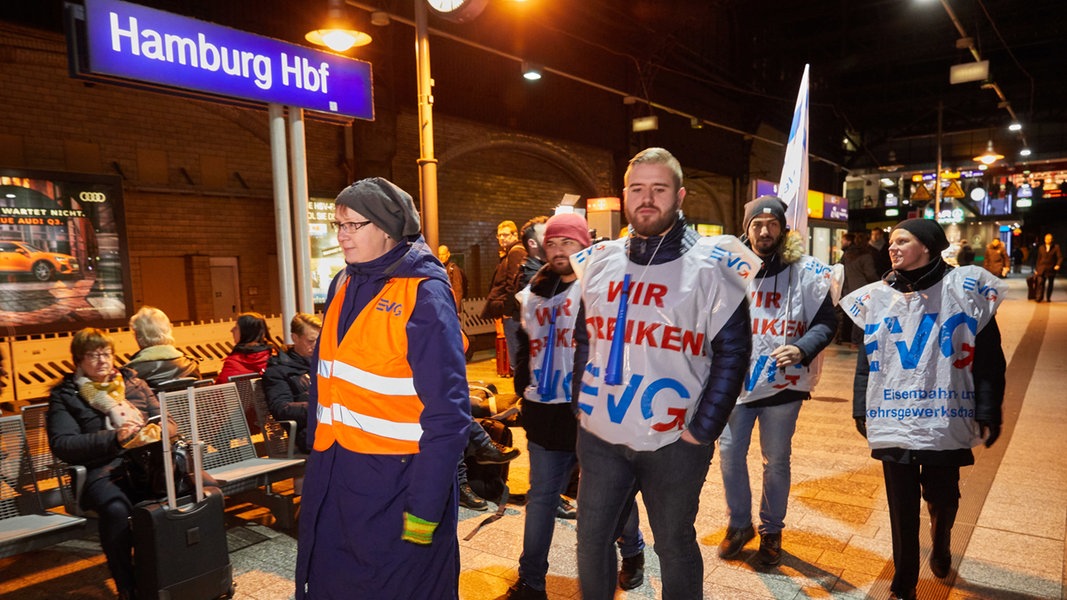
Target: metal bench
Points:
x,y
279,437
229,453
24,523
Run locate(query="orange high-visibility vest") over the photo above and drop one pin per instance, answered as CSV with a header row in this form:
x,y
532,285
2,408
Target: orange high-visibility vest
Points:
x,y
366,392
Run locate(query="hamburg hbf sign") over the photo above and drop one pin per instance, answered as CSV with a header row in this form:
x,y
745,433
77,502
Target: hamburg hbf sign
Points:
x,y
119,40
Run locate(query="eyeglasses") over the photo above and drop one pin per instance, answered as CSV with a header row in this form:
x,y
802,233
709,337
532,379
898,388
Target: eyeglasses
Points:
x,y
98,356
349,227
506,234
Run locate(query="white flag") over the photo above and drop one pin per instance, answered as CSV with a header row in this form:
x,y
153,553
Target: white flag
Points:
x,y
793,185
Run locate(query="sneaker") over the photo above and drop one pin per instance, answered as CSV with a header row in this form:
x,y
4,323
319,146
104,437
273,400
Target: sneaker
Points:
x,y
495,454
522,591
735,540
770,549
468,499
632,572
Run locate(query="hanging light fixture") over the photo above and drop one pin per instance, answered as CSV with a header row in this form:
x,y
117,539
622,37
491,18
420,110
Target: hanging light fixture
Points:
x,y
990,155
340,32
531,71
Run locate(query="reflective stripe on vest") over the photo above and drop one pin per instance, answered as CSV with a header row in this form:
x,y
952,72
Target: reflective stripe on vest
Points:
x,y
366,393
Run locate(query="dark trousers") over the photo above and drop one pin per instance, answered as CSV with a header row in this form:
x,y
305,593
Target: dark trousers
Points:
x,y
1044,285
905,486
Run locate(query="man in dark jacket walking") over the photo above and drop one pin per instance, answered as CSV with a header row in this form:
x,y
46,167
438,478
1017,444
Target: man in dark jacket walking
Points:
x,y
670,339
1046,266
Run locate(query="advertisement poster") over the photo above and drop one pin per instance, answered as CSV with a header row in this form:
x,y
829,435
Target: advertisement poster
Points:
x,y
327,259
63,260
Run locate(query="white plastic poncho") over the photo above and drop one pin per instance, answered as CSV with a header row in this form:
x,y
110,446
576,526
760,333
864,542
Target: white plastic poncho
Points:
x,y
798,290
674,311
920,347
537,322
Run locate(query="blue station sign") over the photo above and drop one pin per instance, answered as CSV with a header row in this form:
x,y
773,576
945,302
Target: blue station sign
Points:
x,y
137,43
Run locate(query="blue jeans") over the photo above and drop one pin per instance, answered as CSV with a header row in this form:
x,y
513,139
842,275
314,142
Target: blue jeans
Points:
x,y
550,471
511,338
631,542
776,427
669,480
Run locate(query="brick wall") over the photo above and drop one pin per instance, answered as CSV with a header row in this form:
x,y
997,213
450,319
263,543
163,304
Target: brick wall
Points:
x,y
197,174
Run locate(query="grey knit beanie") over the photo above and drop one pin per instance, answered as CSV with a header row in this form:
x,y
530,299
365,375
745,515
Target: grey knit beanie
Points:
x,y
384,204
765,205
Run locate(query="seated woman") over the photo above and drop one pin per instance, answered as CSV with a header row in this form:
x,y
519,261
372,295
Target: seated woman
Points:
x,y
158,360
288,377
252,347
95,414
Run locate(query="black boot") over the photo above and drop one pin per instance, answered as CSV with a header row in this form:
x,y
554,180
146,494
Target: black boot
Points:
x,y
468,499
632,572
493,453
941,521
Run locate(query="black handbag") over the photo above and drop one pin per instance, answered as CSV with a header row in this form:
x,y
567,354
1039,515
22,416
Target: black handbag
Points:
x,y
146,473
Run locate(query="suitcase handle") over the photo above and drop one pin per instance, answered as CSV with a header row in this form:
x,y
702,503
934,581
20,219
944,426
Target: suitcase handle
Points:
x,y
168,456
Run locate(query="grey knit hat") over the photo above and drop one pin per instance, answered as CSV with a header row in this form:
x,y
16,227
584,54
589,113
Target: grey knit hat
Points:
x,y
384,204
765,205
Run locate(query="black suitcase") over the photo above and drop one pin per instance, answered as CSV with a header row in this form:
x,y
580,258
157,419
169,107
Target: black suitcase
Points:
x,y
1031,287
179,545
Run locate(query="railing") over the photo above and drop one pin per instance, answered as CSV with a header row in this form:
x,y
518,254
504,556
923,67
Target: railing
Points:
x,y
34,363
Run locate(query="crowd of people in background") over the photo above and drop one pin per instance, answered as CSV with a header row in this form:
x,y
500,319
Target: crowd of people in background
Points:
x,y
382,403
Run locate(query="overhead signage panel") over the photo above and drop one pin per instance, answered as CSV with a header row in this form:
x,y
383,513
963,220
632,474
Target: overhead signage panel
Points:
x,y
134,42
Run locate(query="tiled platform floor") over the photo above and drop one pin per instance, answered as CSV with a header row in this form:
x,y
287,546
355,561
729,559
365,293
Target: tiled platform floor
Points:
x,y
1009,539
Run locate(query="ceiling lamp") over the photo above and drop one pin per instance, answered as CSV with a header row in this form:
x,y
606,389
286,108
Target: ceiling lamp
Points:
x,y
531,71
340,32
1015,126
1024,152
990,155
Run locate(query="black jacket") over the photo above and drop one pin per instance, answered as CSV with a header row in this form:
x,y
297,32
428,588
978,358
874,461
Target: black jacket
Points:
x,y
501,300
286,384
988,372
78,433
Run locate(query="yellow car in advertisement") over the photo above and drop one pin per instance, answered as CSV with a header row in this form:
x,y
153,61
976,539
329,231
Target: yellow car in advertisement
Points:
x,y
20,258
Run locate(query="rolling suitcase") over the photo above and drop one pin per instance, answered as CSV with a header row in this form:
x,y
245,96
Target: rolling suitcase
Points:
x,y
179,547
1031,287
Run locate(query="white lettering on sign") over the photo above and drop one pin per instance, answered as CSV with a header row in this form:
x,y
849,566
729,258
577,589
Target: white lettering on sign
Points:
x,y
200,53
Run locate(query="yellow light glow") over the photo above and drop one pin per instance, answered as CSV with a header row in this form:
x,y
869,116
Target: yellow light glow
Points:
x,y
338,40
990,156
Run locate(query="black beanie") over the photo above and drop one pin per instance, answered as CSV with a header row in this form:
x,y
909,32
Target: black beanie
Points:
x,y
928,232
384,204
765,205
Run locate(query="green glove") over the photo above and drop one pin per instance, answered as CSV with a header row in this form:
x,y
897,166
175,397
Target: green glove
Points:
x,y
417,531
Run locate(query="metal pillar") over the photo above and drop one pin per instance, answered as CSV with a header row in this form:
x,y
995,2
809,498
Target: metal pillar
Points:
x,y
282,221
301,235
427,162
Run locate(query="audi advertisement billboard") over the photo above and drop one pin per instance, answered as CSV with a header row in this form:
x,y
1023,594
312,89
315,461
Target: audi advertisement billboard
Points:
x,y
63,258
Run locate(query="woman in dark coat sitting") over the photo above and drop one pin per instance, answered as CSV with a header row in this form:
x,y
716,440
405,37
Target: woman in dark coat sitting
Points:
x,y
158,360
288,376
96,414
